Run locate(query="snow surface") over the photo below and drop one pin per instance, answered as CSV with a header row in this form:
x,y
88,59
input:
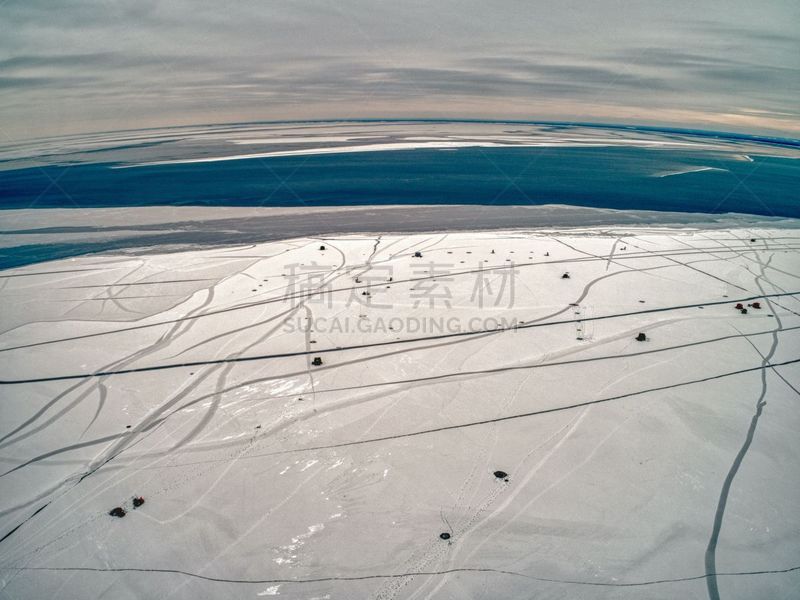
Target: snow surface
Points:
x,y
187,378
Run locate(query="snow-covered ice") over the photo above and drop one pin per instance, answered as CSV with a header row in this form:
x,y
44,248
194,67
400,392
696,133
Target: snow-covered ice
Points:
x,y
659,469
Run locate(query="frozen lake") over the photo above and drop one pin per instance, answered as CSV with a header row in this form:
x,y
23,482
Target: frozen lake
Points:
x,y
630,469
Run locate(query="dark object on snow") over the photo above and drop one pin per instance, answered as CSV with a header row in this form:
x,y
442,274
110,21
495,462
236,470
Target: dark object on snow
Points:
x,y
322,247
752,239
739,306
565,276
138,501
641,338
547,254
744,311
117,512
317,361
417,254
444,536
500,474
492,251
756,305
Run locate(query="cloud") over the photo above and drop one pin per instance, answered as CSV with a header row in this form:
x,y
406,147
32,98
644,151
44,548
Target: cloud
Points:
x,y
28,83
135,64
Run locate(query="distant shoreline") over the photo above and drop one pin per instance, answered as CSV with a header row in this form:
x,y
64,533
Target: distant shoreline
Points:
x,y
28,236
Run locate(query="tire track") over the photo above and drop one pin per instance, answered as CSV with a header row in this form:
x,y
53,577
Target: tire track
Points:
x,y
284,298
404,575
532,413
460,334
432,378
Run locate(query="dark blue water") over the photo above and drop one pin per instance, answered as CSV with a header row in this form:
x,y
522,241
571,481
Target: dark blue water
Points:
x,y
619,178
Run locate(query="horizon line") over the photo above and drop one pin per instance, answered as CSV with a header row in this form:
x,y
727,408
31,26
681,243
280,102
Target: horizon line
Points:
x,y
752,137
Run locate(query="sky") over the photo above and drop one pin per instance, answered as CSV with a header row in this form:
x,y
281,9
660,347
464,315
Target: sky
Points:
x,y
99,65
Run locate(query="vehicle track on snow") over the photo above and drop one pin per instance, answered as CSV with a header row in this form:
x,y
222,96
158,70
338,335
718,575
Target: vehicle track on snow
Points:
x,y
628,256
